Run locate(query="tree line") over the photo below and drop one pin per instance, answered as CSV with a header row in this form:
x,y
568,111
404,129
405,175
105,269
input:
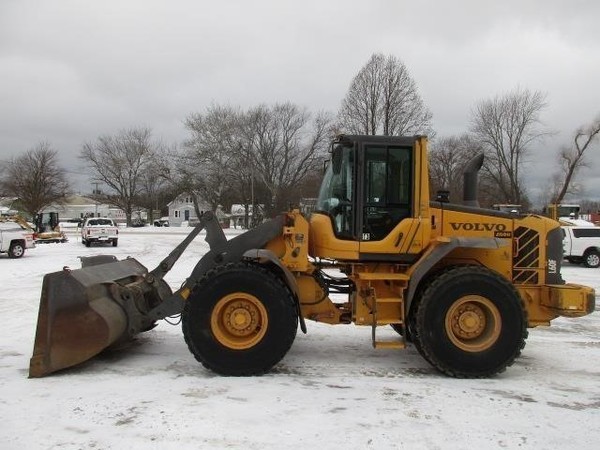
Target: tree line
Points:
x,y
505,129
273,155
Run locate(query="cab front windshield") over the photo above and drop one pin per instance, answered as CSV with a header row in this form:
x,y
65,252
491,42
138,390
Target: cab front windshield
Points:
x,y
335,196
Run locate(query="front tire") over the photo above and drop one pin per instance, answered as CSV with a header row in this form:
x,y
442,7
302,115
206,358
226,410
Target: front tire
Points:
x,y
470,323
592,259
402,331
240,320
16,250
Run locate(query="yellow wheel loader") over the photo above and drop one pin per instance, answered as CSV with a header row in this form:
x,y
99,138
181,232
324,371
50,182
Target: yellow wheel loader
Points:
x,y
47,229
461,283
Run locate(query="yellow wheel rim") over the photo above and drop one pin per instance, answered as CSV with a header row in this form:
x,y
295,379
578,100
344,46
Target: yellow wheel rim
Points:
x,y
473,323
239,321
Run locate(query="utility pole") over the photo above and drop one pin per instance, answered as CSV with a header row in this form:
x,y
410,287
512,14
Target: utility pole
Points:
x,y
96,191
252,186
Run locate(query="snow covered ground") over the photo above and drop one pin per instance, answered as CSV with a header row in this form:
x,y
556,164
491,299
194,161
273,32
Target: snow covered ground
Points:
x,y
332,390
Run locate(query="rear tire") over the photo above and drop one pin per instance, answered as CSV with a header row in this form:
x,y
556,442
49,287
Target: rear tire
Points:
x,y
114,242
240,320
470,323
88,243
16,250
592,259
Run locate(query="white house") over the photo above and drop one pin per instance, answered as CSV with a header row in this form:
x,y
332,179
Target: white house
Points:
x,y
238,214
78,207
6,206
181,210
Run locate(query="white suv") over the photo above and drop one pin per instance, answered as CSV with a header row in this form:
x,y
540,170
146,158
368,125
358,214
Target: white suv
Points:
x,y
582,245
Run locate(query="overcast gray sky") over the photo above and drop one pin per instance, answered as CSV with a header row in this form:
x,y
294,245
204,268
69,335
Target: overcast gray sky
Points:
x,y
73,70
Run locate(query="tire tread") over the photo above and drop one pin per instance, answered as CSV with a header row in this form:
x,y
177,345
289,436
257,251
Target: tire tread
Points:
x,y
428,296
274,282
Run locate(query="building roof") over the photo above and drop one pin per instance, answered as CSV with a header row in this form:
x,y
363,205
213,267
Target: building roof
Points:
x,y
75,200
7,201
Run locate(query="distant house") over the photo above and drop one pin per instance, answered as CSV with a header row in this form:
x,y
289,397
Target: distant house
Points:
x,y
238,214
307,205
6,204
78,207
181,210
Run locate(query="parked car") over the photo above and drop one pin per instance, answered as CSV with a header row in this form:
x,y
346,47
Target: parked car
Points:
x,y
137,222
15,238
162,222
581,245
99,230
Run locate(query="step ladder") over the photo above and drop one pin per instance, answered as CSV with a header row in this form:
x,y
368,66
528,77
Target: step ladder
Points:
x,y
400,341
400,278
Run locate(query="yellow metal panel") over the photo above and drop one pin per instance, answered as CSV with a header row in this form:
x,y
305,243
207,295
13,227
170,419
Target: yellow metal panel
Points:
x,y
382,276
324,243
570,300
390,344
314,303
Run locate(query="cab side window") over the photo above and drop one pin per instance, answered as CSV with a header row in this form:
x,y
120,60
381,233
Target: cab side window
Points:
x,y
387,190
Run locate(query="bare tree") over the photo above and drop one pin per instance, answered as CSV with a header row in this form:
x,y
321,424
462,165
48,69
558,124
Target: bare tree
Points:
x,y
384,99
286,144
211,157
120,162
506,126
154,181
248,187
35,178
261,155
572,159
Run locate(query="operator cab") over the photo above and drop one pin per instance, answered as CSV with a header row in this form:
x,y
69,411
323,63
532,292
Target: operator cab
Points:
x,y
369,189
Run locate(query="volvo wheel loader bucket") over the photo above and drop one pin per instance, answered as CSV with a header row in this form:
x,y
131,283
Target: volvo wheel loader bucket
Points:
x,y
84,311
106,302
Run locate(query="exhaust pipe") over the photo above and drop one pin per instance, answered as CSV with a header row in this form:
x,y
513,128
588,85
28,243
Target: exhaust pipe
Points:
x,y
470,177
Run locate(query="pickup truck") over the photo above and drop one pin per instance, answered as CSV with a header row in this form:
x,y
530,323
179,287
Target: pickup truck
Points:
x,y
581,245
14,239
99,230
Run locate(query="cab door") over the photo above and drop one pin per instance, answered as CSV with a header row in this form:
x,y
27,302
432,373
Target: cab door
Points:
x,y
392,222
